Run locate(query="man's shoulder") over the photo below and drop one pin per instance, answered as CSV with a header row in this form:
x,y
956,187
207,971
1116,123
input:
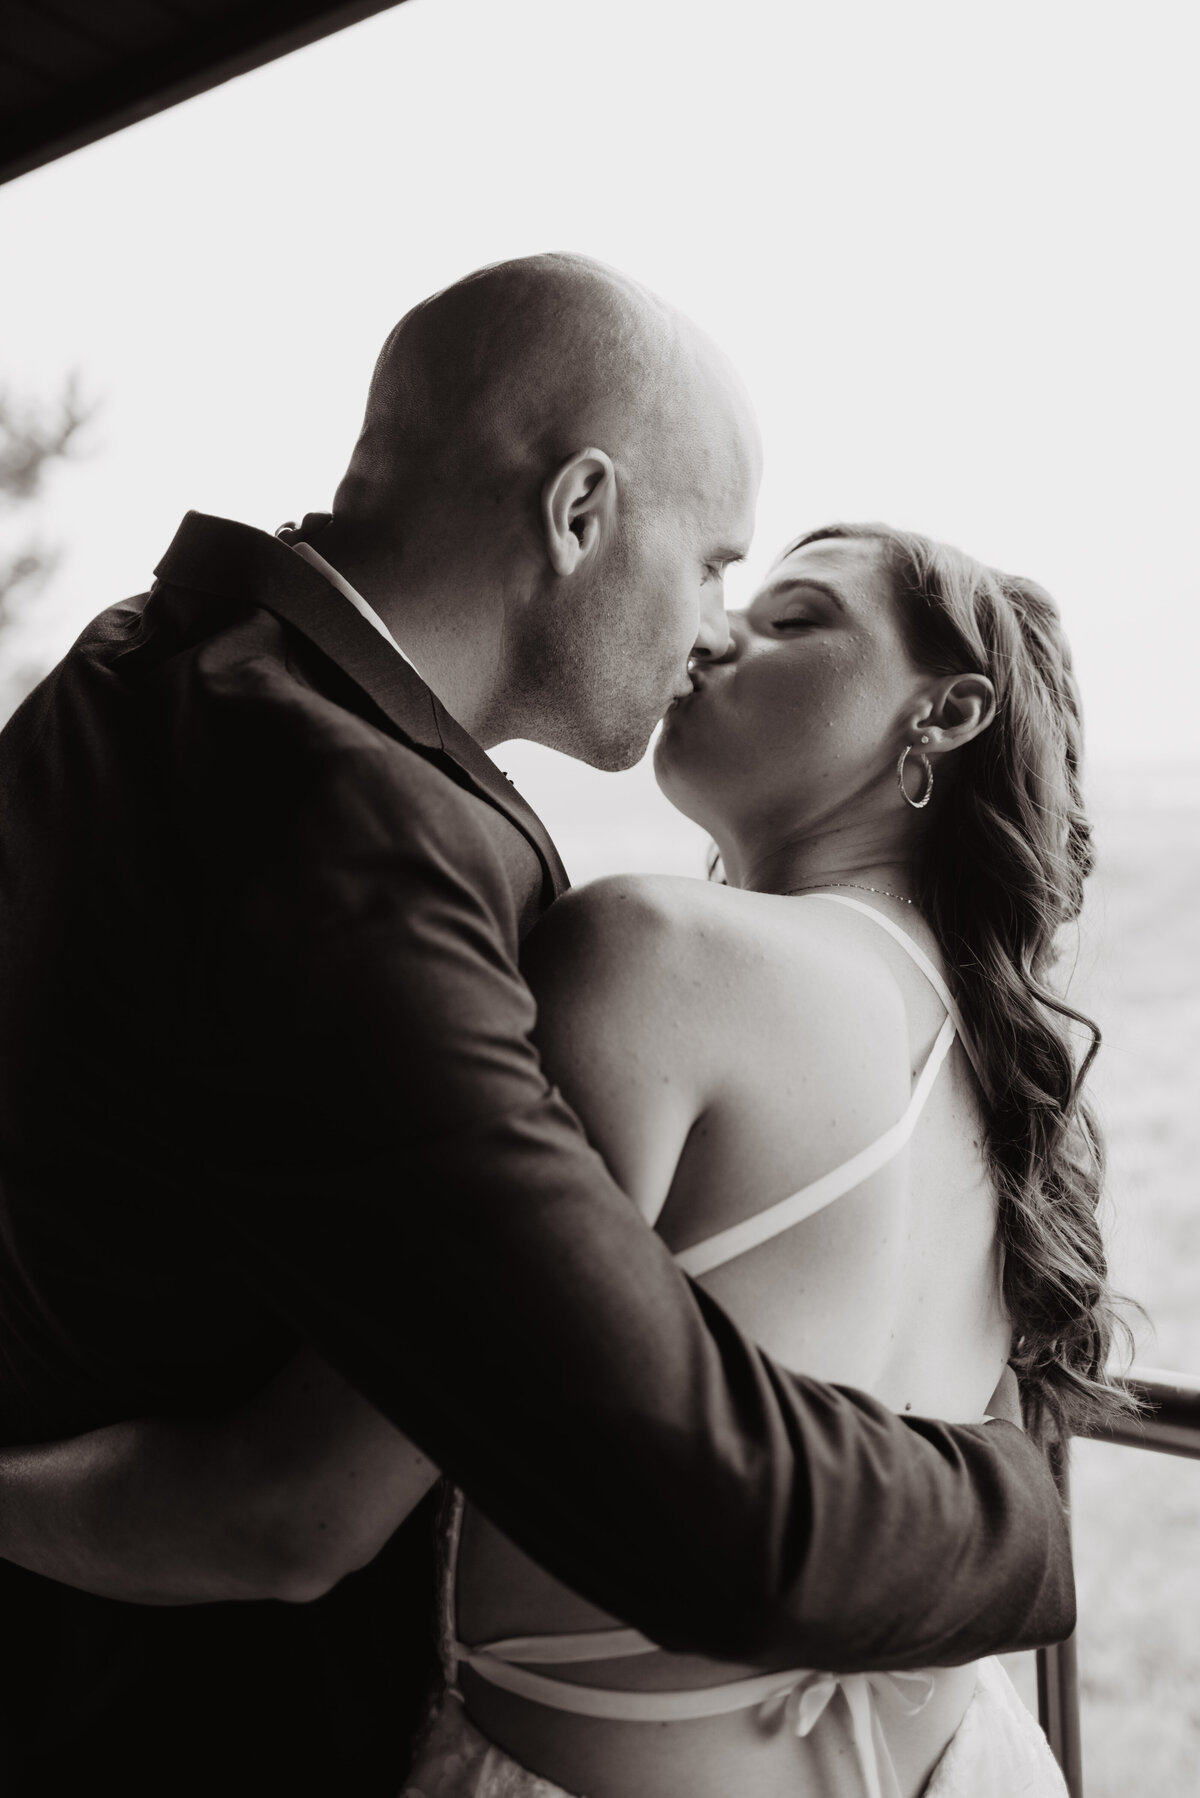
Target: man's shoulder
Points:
x,y
250,698
257,710
273,739
225,700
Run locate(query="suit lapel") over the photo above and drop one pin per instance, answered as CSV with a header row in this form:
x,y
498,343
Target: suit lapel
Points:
x,y
484,775
218,555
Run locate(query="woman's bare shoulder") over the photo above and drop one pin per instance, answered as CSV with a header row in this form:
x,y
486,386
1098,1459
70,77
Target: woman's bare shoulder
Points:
x,y
621,941
641,897
662,1000
618,915
718,952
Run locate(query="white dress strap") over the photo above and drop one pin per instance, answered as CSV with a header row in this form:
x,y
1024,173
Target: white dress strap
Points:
x,y
751,1232
915,953
740,1238
795,1699
564,1650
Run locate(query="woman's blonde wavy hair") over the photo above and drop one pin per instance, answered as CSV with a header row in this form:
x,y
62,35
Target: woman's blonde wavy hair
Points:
x,y
999,871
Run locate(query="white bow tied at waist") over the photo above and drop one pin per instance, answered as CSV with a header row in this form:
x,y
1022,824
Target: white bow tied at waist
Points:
x,y
801,1703
784,1699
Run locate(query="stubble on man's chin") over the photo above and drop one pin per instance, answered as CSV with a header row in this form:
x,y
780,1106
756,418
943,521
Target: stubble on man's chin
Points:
x,y
611,747
620,734
579,702
618,758
597,729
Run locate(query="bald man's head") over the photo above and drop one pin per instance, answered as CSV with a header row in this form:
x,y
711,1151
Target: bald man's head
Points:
x,y
509,371
553,381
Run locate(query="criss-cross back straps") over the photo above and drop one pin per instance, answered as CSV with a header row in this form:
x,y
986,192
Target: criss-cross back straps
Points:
x,y
915,954
727,1245
751,1232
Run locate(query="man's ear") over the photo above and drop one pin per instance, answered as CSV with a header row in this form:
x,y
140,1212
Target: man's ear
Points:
x,y
956,709
579,505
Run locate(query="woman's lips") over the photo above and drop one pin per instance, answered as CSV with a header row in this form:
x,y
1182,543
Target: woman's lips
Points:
x,y
697,682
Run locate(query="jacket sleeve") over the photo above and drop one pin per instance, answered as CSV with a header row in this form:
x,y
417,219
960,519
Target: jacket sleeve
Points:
x,y
436,1223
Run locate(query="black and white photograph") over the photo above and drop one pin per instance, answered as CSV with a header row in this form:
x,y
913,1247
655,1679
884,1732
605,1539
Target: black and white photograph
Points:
x,y
599,881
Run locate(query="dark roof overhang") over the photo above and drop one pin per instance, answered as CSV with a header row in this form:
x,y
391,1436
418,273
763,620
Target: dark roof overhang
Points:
x,y
72,71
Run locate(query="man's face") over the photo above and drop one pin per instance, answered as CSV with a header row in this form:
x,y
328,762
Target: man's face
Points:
x,y
658,596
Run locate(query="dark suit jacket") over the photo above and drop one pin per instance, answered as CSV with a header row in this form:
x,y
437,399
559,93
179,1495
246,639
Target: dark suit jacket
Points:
x,y
266,1075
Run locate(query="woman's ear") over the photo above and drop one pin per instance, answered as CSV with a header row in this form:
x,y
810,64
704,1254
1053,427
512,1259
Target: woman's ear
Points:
x,y
579,504
957,709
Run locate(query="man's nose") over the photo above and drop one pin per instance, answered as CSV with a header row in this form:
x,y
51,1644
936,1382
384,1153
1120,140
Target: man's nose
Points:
x,y
713,639
729,646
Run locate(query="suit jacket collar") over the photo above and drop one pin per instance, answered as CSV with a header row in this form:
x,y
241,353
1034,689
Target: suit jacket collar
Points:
x,y
220,556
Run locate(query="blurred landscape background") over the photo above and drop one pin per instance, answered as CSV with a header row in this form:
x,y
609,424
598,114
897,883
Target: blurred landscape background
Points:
x,y
1137,1515
951,250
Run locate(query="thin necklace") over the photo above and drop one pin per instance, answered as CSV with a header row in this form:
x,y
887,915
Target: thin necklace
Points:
x,y
855,885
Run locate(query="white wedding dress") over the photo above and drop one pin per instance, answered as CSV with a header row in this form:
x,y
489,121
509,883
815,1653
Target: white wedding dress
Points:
x,y
997,1751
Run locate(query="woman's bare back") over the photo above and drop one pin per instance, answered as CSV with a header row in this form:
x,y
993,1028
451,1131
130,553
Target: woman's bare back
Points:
x,y
724,1049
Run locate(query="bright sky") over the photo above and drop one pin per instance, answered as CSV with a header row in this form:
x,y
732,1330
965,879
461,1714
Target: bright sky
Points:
x,y
952,248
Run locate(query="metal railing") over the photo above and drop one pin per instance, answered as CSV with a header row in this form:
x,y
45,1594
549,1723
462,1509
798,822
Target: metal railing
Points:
x,y
1170,1424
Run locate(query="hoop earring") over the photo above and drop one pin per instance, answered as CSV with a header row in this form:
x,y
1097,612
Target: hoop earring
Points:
x,y
917,804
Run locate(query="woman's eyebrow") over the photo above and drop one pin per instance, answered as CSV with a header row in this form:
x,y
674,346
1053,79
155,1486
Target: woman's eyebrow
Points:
x,y
806,580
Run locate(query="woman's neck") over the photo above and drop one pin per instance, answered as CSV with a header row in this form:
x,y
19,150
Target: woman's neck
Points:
x,y
875,857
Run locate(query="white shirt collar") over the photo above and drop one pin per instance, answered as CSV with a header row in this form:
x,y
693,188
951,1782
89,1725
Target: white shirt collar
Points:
x,y
356,599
